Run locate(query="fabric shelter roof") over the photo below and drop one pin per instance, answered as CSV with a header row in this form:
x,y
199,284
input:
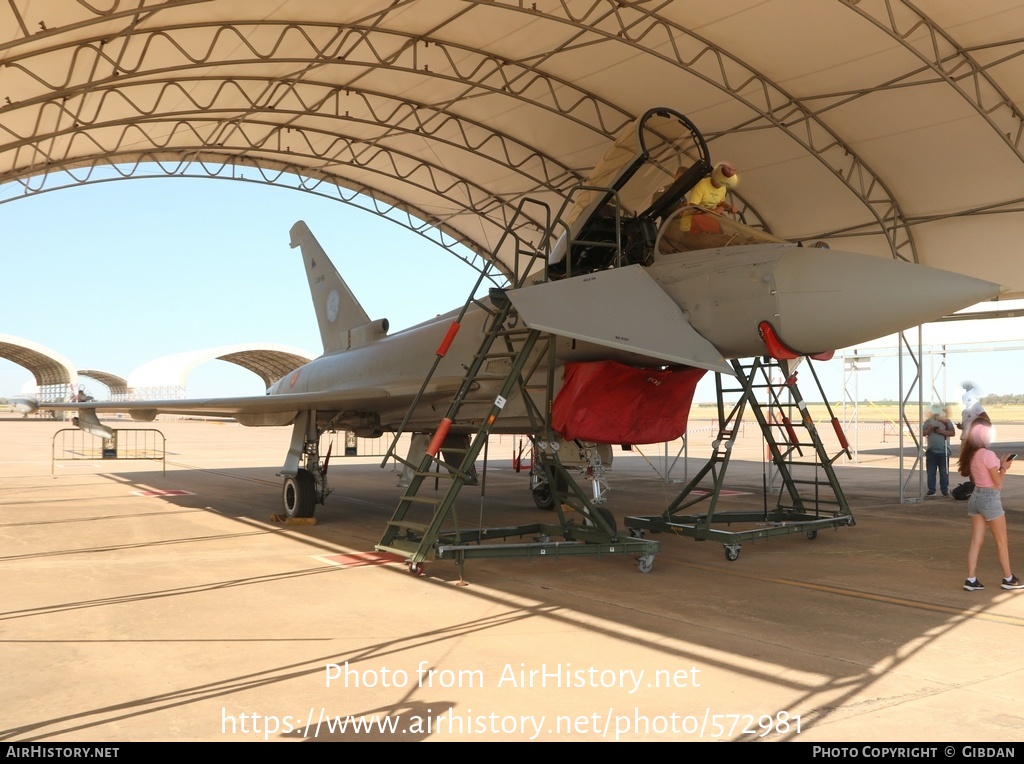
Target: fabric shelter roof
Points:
x,y
877,125
269,361
118,386
47,366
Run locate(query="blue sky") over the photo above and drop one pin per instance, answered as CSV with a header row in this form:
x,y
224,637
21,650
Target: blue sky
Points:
x,y
115,274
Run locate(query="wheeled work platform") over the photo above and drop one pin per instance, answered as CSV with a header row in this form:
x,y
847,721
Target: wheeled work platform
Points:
x,y
809,498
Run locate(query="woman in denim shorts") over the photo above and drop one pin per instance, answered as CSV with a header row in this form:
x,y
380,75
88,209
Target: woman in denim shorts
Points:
x,y
985,507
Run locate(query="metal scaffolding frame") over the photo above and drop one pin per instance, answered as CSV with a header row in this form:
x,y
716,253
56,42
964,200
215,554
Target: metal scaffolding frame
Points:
x,y
922,381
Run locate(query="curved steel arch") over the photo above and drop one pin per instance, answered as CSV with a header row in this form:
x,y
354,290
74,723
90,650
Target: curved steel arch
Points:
x,y
55,375
511,75
509,152
462,194
779,109
455,52
516,78
483,71
118,11
269,361
394,212
116,385
284,175
67,92
953,66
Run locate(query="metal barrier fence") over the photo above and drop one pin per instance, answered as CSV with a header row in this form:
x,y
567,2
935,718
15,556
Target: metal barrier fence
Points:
x,y
73,444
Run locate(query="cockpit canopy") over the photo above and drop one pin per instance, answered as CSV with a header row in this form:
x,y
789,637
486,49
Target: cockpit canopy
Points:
x,y
633,207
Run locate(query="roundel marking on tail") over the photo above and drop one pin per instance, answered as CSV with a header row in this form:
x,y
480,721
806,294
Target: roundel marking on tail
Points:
x,y
333,303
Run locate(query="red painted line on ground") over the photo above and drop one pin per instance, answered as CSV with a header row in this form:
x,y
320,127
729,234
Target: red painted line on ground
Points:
x,y
364,558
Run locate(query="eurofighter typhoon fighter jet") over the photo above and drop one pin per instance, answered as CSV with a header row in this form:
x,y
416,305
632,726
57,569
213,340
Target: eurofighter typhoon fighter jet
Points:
x,y
639,293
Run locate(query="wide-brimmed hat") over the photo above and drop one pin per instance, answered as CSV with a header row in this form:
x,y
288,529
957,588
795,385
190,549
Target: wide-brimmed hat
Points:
x,y
725,174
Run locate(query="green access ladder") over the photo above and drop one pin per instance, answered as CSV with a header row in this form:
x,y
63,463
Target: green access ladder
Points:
x,y
416,525
420,529
810,497
425,527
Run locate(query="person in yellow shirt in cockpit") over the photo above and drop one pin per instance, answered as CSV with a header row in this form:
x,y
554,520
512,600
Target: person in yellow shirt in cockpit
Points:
x,y
689,229
710,192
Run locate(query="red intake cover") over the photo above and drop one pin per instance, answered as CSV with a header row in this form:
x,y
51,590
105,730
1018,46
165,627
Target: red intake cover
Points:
x,y
608,402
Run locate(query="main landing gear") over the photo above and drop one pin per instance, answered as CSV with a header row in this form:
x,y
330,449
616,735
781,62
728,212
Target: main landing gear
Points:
x,y
542,493
299,494
589,459
304,486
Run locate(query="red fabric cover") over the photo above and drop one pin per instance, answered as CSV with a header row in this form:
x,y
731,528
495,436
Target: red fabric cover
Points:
x,y
705,223
608,402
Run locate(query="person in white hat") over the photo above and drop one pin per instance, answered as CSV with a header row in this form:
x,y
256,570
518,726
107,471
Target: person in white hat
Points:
x,y
937,430
972,409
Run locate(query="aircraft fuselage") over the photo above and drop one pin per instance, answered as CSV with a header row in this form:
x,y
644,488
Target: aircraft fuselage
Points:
x,y
817,300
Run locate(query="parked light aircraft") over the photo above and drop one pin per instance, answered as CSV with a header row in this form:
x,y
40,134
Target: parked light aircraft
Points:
x,y
673,298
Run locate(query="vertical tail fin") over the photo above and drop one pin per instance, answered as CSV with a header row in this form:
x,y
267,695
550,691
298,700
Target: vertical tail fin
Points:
x,y
337,309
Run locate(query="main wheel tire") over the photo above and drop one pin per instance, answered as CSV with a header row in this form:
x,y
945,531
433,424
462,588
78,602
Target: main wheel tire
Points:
x,y
608,518
299,494
542,496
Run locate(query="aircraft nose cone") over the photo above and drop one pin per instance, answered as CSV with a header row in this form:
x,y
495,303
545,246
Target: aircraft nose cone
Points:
x,y
829,299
